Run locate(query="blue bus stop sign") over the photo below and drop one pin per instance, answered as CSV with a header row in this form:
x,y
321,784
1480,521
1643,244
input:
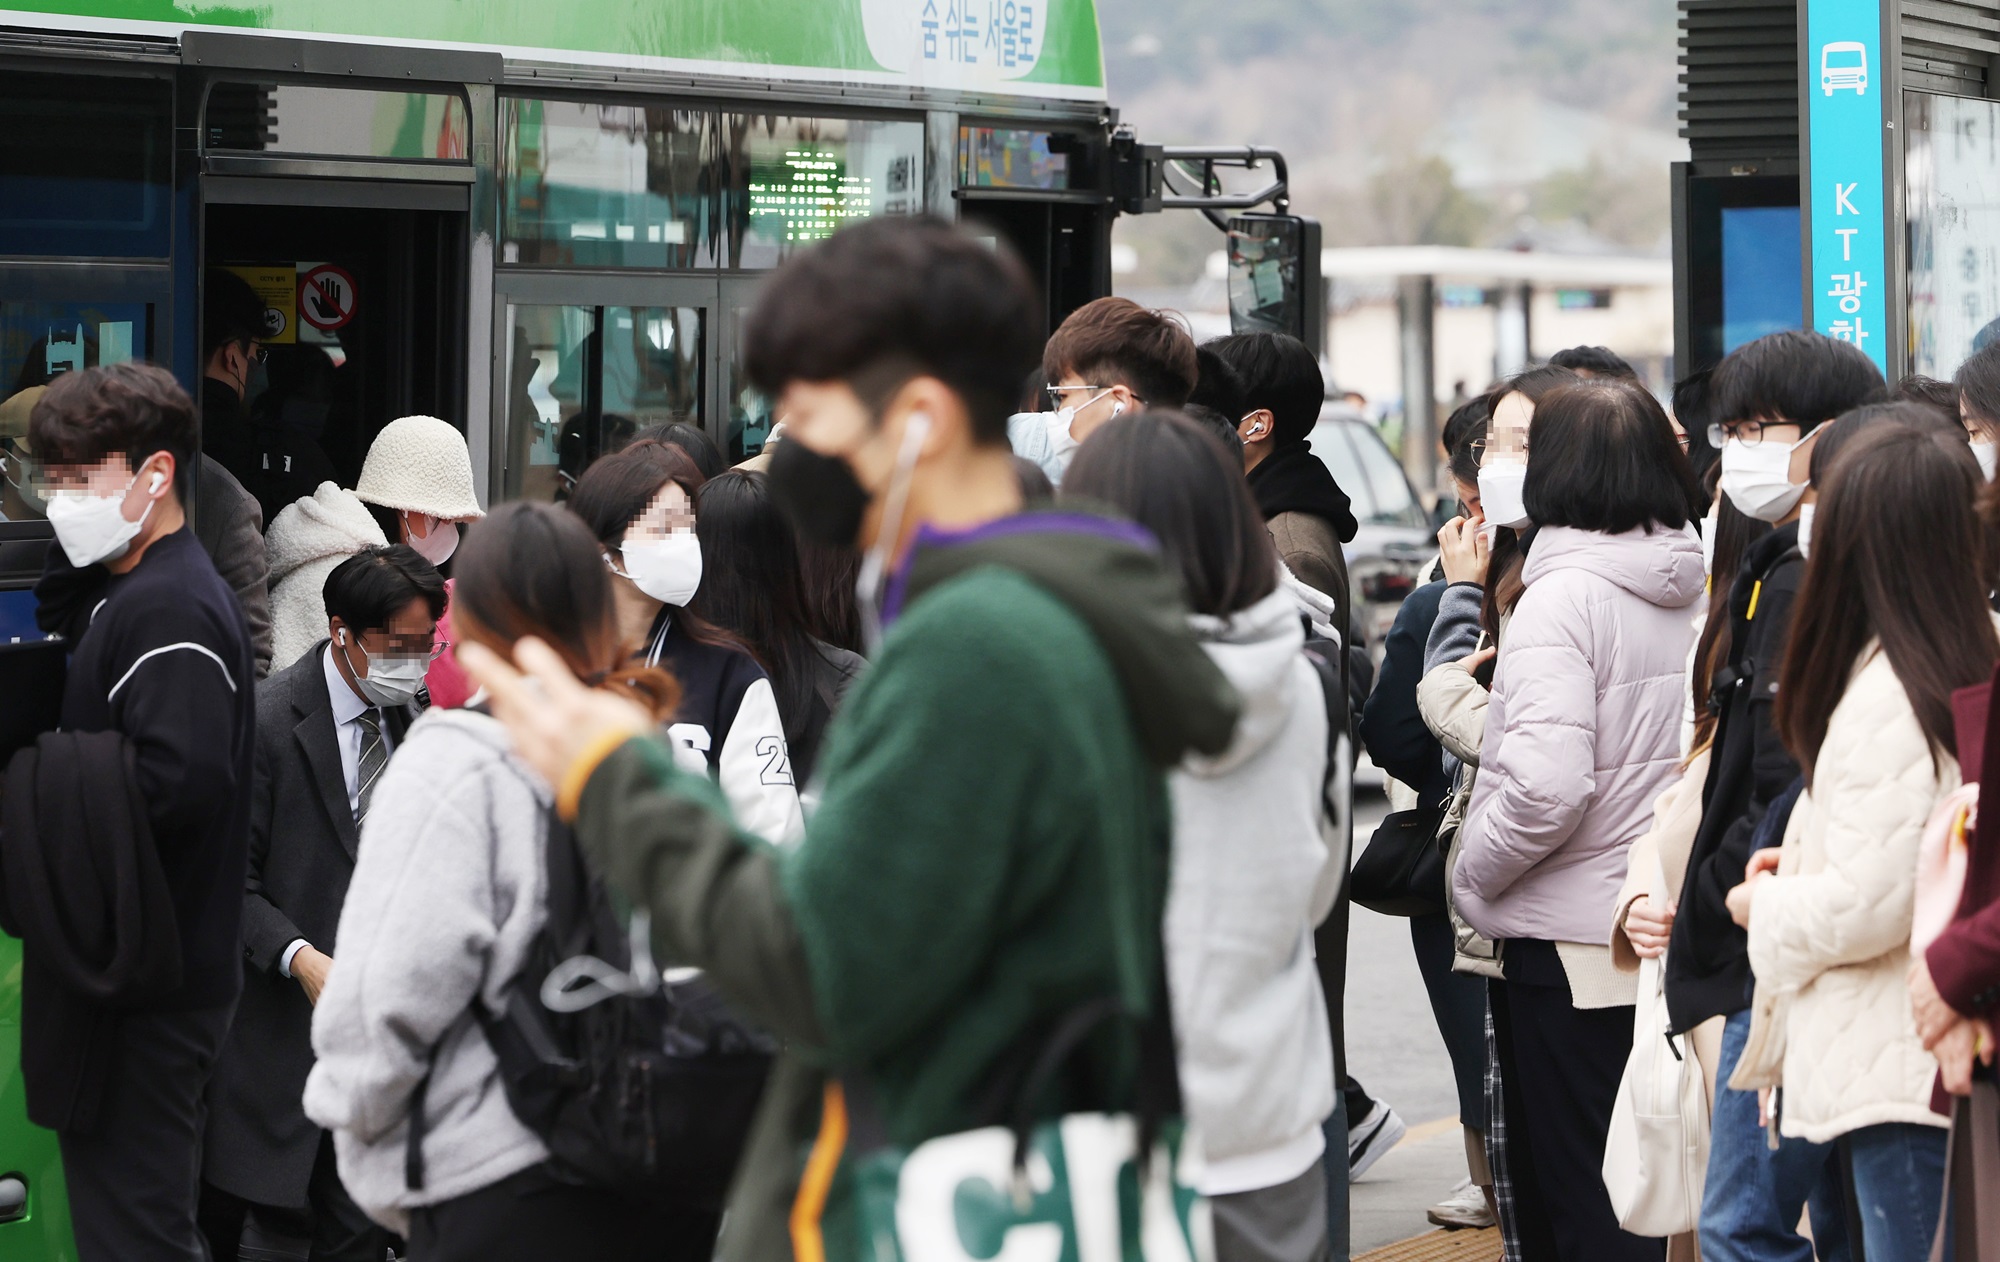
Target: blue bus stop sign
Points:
x,y
1846,119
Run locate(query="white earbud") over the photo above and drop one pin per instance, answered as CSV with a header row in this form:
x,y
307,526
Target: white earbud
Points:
x,y
1117,408
159,480
340,637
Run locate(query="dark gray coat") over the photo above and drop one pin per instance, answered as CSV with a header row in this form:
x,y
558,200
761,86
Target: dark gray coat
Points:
x,y
259,1143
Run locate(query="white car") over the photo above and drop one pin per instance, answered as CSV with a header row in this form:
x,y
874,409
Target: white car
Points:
x,y
1843,65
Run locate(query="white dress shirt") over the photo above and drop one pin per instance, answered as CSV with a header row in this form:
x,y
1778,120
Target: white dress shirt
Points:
x,y
348,707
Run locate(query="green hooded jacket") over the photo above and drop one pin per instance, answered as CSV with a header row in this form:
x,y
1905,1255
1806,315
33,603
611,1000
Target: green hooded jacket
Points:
x,y
990,849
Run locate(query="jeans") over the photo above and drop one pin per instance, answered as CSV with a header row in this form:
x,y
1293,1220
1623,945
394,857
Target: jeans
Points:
x,y
1898,1187
1750,1207
1335,1130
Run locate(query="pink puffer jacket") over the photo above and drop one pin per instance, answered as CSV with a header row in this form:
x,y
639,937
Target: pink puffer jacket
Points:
x,y
1582,732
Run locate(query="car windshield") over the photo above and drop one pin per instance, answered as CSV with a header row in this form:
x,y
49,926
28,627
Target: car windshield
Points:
x,y
1363,466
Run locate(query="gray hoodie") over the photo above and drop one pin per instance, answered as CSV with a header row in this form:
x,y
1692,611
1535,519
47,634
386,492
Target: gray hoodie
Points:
x,y
1253,872
446,899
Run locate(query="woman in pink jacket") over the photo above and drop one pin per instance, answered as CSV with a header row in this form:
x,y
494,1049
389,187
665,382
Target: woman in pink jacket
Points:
x,y
1582,734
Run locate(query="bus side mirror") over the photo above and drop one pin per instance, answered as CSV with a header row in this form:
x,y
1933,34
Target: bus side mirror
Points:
x,y
1274,279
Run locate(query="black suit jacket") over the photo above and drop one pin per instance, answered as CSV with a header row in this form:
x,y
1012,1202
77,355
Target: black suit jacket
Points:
x,y
260,1145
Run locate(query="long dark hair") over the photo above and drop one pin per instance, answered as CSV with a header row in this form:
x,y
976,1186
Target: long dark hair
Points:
x,y
1735,532
1892,536
617,488
532,569
751,586
833,612
1503,565
1172,477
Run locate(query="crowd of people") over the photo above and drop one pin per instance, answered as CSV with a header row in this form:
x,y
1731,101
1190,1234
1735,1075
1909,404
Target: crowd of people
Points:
x,y
778,861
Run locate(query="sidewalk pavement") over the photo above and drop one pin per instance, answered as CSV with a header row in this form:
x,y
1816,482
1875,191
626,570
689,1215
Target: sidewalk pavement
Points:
x,y
1388,1204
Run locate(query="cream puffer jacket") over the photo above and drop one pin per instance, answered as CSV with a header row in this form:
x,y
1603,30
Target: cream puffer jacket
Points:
x,y
1830,932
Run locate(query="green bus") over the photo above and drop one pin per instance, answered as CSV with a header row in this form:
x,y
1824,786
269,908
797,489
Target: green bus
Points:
x,y
542,222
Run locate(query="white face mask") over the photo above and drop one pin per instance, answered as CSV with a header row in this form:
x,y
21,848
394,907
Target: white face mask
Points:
x,y
1758,480
93,528
668,570
1805,530
1502,490
1061,441
1986,454
391,680
437,546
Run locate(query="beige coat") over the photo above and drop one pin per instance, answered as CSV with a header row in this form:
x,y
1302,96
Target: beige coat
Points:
x,y
1830,933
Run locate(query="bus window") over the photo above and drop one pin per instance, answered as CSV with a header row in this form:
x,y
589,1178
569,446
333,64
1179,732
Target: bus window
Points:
x,y
344,122
583,381
594,185
39,341
84,165
793,181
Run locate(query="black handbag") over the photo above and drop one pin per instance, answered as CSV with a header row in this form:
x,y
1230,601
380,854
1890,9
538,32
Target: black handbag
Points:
x,y
1401,873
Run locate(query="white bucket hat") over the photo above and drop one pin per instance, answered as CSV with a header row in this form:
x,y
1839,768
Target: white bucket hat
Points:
x,y
420,464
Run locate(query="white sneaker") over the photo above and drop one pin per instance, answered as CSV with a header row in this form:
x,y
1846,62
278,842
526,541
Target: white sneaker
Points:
x,y
1368,1139
1465,1207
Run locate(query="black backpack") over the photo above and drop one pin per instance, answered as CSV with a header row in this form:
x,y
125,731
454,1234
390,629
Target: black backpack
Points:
x,y
642,1084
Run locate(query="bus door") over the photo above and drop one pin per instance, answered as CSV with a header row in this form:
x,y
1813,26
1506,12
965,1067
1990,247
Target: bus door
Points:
x,y
1039,188
590,360
337,183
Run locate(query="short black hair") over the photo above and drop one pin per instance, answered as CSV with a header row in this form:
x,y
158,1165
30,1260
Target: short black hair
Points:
x,y
131,408
1217,385
231,311
691,439
1603,457
1694,408
1223,427
1598,361
1796,376
1978,381
1466,424
1929,391
373,586
889,299
1845,428
1280,375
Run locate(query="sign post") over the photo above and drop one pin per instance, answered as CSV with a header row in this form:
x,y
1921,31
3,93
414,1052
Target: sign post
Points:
x,y
1848,115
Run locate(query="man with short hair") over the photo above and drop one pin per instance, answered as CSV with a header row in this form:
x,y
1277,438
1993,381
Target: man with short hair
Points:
x,y
1110,357
326,727
277,464
1306,511
1769,397
165,664
990,853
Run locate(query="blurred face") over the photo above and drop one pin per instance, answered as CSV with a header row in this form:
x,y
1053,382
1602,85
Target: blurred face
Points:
x,y
1976,427
671,512
411,632
1507,430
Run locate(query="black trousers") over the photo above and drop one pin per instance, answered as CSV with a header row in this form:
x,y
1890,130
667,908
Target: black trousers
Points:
x,y
134,1178
1563,1064
531,1217
331,1227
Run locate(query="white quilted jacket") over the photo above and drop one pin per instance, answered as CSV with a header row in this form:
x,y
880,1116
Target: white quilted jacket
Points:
x,y
1830,933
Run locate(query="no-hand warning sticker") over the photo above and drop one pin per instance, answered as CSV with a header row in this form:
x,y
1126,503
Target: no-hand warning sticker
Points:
x,y
327,297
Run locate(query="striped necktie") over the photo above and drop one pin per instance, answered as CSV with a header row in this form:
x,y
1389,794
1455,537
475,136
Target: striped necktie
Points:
x,y
374,757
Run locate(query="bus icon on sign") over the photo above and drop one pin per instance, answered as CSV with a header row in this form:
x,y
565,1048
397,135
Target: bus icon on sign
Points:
x,y
1844,65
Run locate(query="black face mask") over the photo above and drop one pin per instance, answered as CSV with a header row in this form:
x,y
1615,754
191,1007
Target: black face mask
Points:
x,y
819,494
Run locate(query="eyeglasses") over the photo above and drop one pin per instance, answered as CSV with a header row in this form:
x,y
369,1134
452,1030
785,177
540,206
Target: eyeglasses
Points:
x,y
1683,440
257,351
1749,433
1056,393
424,646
